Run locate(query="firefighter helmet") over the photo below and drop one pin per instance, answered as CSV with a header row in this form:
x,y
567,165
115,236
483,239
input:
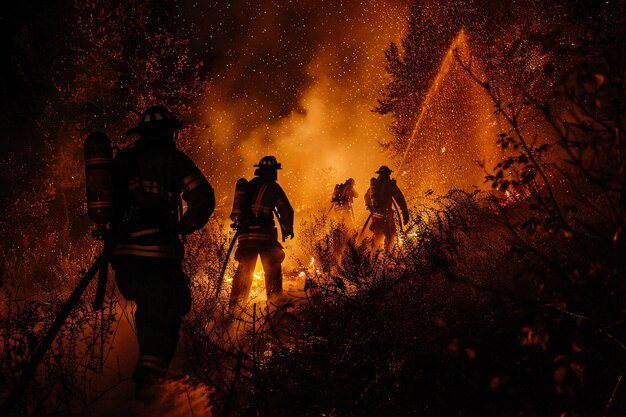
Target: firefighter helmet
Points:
x,y
350,181
155,120
268,162
384,170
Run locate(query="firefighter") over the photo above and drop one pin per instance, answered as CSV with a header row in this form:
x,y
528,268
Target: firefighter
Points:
x,y
343,195
256,202
380,199
149,176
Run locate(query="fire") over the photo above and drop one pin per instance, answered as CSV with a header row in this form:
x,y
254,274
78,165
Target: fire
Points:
x,y
329,116
516,195
257,291
312,267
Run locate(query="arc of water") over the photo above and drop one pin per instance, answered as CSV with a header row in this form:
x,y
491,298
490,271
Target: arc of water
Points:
x,y
432,91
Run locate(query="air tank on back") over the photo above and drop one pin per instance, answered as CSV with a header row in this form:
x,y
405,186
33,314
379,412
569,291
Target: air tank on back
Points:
x,y
240,201
98,177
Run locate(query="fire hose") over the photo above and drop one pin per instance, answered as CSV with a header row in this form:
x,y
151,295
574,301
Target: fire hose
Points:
x,y
366,222
103,273
370,217
100,266
220,279
282,228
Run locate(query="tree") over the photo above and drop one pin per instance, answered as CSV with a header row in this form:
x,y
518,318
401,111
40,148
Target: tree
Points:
x,y
414,64
554,74
114,62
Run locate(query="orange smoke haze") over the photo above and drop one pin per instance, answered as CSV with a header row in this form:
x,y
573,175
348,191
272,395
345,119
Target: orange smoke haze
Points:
x,y
330,133
317,118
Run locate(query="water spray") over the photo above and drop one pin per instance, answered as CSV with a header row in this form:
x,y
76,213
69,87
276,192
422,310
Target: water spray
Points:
x,y
434,87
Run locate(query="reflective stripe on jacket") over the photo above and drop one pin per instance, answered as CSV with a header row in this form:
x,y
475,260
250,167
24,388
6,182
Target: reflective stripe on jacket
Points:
x,y
152,175
266,197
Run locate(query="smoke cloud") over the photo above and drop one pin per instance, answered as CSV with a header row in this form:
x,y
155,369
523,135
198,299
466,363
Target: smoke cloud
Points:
x,y
299,81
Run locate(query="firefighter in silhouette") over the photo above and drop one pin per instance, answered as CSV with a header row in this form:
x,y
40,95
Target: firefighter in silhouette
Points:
x,y
256,203
381,199
343,195
149,177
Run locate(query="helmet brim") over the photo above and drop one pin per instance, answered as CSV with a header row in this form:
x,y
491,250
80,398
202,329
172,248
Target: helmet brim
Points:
x,y
268,167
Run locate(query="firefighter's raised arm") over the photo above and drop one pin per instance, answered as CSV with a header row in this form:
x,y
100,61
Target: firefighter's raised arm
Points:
x,y
199,196
240,201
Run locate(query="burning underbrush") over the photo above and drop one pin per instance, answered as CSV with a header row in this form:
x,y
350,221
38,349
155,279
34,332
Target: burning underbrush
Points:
x,y
464,315
450,321
346,298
